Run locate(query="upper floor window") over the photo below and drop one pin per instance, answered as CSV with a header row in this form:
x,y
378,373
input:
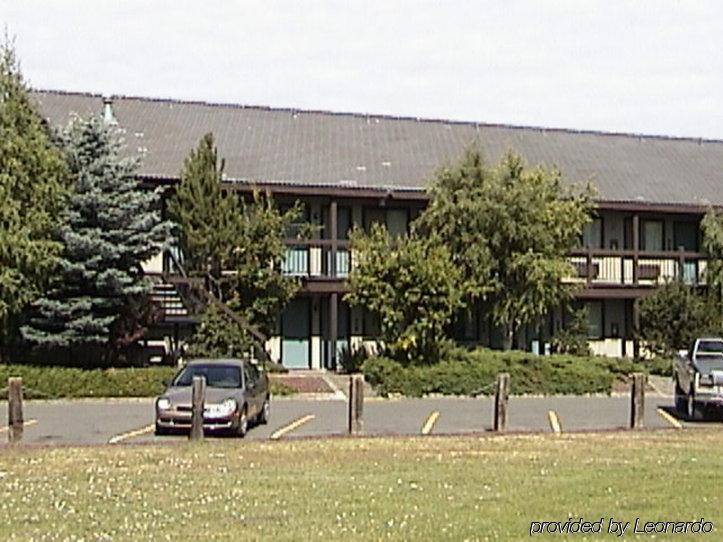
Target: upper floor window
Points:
x,y
395,220
592,234
652,235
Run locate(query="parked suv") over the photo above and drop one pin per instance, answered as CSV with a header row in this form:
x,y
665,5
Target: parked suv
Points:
x,y
237,392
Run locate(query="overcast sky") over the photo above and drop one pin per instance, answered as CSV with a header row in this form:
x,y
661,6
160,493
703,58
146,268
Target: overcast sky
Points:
x,y
645,67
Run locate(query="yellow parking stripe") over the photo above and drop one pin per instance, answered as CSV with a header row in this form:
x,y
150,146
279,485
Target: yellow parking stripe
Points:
x,y
670,419
554,422
130,434
293,425
429,424
26,423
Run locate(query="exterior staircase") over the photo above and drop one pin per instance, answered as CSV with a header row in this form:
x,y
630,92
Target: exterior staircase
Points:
x,y
166,297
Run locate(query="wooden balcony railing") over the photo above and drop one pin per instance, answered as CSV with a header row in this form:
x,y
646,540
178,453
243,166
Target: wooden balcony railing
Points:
x,y
631,268
596,267
317,258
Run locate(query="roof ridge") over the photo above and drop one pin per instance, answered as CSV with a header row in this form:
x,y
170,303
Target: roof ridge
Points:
x,y
382,116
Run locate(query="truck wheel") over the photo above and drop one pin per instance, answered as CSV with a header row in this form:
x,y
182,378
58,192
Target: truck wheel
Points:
x,y
681,401
263,417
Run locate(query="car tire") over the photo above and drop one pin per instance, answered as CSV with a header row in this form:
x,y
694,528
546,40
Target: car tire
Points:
x,y
242,426
161,431
263,417
681,401
695,411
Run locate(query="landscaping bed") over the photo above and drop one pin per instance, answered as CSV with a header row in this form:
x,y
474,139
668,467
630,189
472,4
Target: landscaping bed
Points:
x,y
473,372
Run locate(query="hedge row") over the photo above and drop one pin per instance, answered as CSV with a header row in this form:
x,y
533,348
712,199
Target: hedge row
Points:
x,y
70,382
474,372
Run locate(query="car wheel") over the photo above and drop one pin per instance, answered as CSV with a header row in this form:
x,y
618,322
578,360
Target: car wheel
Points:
x,y
263,418
243,423
681,401
160,431
695,410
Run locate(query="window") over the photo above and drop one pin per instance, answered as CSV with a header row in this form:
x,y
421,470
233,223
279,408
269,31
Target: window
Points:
x,y
592,234
594,319
395,220
685,234
651,235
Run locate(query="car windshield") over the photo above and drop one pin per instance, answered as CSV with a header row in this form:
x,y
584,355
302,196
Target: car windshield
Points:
x,y
710,347
217,376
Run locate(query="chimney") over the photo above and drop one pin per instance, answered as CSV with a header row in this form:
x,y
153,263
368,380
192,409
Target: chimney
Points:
x,y
108,116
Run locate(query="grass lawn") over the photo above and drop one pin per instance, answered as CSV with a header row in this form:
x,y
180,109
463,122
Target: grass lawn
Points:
x,y
460,488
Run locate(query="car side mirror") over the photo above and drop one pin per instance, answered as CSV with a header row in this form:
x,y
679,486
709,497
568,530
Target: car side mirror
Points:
x,y
166,382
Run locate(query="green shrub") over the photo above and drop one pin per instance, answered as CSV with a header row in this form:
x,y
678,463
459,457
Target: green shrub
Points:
x,y
473,373
56,382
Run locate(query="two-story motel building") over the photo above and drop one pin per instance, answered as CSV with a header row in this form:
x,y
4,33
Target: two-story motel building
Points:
x,y
357,169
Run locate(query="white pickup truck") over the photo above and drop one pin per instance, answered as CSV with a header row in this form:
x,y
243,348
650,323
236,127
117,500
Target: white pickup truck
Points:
x,y
698,378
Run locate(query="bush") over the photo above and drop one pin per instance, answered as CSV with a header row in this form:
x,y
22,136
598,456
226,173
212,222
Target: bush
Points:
x,y
70,382
474,372
56,382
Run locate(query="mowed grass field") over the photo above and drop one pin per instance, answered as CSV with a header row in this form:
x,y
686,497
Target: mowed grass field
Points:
x,y
433,488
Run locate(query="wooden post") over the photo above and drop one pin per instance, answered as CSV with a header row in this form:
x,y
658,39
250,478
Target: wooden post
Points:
x,y
636,247
333,329
502,392
588,263
15,409
637,401
198,398
356,403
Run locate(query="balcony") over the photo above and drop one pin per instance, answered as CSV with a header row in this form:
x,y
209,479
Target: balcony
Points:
x,y
596,268
314,258
636,269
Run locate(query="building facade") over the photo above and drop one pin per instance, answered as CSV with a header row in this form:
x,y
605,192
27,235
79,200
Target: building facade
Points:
x,y
352,170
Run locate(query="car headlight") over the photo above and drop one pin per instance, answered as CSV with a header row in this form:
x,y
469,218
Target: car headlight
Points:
x,y
226,408
163,403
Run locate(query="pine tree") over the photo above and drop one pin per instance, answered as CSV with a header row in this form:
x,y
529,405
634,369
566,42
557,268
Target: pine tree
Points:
x,y
110,228
220,231
32,195
205,215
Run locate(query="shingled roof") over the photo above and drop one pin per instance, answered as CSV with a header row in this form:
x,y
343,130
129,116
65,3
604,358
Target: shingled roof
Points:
x,y
323,149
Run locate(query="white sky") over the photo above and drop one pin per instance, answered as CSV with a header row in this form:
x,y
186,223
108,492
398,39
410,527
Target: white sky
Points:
x,y
635,66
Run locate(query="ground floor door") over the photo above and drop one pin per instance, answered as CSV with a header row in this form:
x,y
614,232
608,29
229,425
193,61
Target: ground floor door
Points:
x,y
295,334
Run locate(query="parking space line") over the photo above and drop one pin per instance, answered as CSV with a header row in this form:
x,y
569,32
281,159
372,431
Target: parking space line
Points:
x,y
130,434
26,423
276,435
668,418
554,422
429,424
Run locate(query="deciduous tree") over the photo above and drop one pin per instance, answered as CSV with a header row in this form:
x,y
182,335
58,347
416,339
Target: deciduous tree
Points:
x,y
510,228
412,284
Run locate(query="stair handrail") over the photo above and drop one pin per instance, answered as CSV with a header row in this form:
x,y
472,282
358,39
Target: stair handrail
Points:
x,y
211,297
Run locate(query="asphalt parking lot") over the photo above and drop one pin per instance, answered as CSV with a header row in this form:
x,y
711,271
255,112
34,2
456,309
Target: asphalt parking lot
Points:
x,y
131,421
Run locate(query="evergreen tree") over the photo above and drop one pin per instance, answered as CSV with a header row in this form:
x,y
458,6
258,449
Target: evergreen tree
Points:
x,y
220,231
207,218
32,195
110,228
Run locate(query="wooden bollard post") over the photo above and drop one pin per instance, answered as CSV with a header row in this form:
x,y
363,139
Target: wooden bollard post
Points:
x,y
637,401
15,409
502,393
198,399
356,404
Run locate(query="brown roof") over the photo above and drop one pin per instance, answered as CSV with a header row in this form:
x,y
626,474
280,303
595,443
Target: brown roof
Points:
x,y
319,148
